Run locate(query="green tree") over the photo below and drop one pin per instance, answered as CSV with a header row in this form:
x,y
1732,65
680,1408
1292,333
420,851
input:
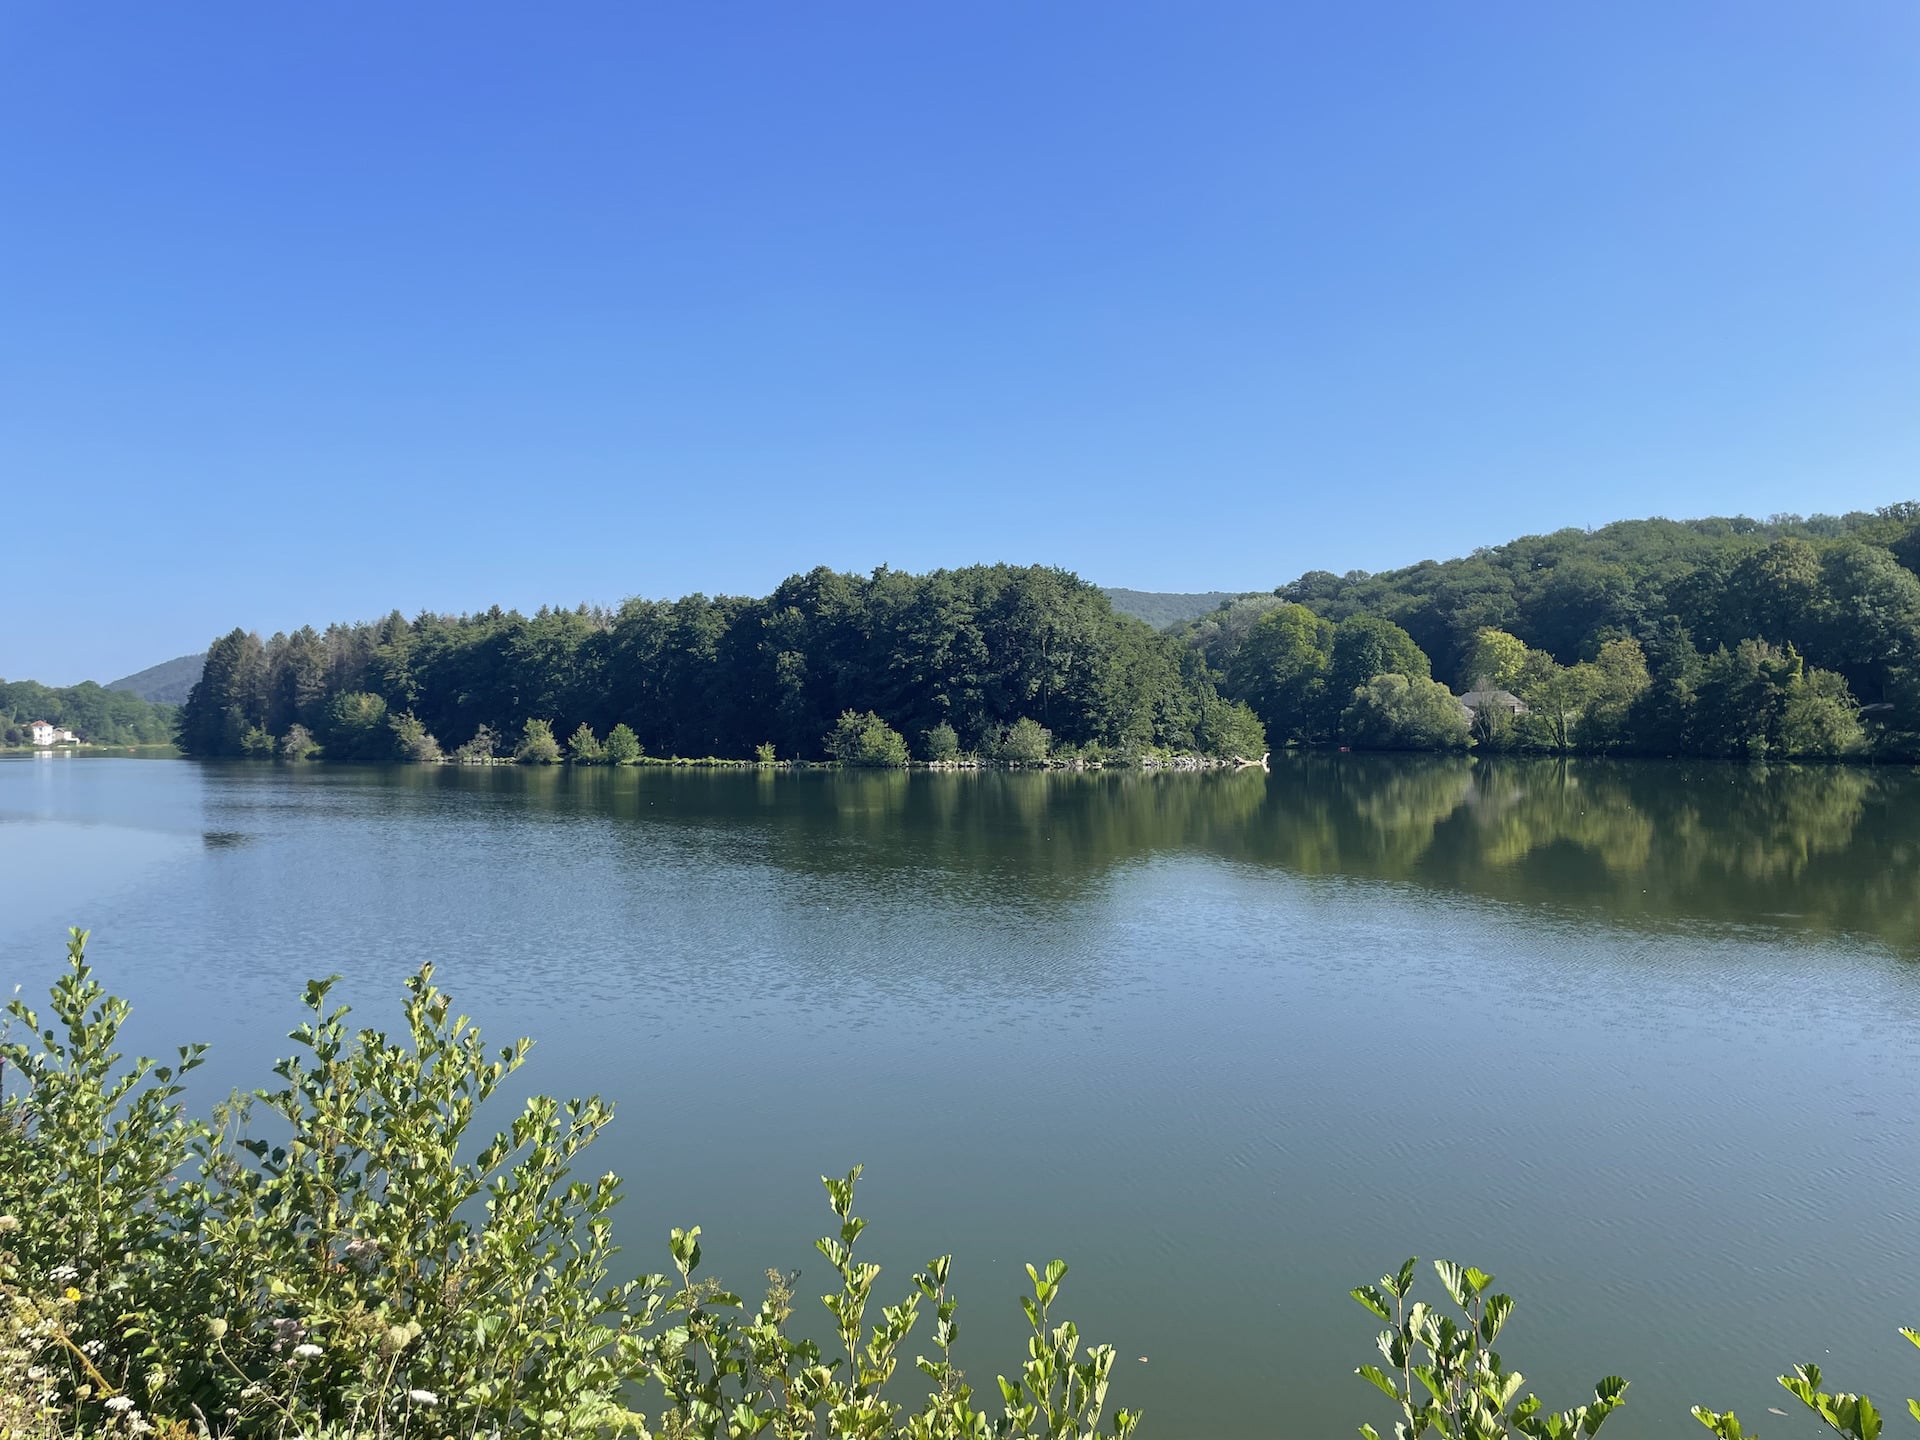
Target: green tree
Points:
x,y
537,745
623,748
865,740
357,728
411,741
1280,670
1025,742
480,749
941,743
585,748
298,743
1391,712
1363,647
1229,730
1493,660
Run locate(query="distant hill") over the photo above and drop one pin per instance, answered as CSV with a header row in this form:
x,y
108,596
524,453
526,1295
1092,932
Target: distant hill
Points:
x,y
1161,608
166,683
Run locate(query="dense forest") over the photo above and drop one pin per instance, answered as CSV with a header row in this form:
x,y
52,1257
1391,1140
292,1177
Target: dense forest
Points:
x,y
94,713
1726,637
1748,639
952,661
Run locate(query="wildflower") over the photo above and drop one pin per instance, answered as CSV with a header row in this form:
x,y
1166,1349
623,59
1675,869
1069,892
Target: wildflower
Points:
x,y
62,1272
396,1339
8,1224
423,1397
217,1328
119,1403
306,1352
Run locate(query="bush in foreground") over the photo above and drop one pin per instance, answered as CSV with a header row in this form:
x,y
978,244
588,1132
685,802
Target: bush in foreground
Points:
x,y
372,1271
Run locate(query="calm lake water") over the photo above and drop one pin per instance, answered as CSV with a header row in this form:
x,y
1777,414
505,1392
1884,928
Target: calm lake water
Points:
x,y
1642,1039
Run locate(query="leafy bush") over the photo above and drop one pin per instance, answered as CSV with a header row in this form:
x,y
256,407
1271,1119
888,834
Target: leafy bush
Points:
x,y
298,744
1025,742
368,1272
1392,712
941,743
479,749
584,747
537,745
411,740
866,740
1229,730
623,747
356,727
1444,1374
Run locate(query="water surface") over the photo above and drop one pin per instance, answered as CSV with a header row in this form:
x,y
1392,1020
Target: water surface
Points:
x,y
1639,1038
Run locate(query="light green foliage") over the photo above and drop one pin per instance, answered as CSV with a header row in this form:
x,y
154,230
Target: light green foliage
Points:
x,y
369,1266
1025,742
537,745
411,741
866,740
1229,730
1391,712
1493,659
298,744
357,729
1444,1375
584,748
941,743
623,748
1854,1417
257,744
97,715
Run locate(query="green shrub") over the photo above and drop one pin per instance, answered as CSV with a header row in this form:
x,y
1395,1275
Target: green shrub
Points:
x,y
763,754
866,740
480,748
369,1271
411,740
537,745
356,728
298,744
1395,712
623,747
941,743
1025,742
1444,1375
585,747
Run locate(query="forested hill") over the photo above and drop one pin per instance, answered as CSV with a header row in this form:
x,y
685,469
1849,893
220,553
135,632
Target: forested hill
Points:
x,y
977,649
1719,636
1161,608
167,683
96,714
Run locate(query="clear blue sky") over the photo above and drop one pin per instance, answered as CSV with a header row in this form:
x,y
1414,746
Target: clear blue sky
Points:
x,y
311,311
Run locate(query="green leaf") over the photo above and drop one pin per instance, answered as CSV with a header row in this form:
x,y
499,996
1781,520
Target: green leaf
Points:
x,y
1379,1379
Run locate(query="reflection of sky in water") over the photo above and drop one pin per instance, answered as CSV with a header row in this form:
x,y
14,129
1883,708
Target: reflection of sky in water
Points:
x,y
1230,1048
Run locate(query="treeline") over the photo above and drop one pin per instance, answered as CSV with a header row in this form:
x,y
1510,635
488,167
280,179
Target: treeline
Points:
x,y
1736,638
94,713
952,662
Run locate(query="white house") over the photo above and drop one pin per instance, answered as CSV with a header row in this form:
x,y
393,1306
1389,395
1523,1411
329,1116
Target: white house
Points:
x,y
42,732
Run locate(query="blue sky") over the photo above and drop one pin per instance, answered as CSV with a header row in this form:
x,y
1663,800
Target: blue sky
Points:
x,y
308,312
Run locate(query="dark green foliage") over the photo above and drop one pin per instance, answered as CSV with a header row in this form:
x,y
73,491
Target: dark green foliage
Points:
x,y
357,727
866,740
972,649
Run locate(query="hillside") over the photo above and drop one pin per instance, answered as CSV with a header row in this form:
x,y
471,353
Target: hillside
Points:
x,y
167,683
1161,608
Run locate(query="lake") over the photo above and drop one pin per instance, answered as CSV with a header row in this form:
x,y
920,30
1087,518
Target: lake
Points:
x,y
1643,1039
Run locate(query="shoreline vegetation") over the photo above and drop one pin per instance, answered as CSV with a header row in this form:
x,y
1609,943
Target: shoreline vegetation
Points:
x,y
1791,638
370,1263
